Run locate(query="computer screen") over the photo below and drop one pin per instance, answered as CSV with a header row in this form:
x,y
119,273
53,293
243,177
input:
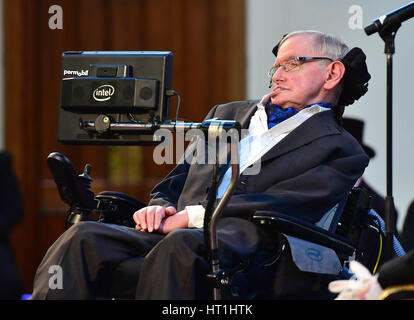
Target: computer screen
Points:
x,y
104,93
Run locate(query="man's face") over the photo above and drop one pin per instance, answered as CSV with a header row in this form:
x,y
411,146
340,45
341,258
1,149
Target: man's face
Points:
x,y
302,85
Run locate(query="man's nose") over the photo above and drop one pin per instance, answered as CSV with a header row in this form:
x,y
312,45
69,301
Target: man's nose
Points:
x,y
279,74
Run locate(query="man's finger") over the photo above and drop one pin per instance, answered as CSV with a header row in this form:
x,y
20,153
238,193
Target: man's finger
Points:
x,y
136,217
170,210
143,217
150,218
159,215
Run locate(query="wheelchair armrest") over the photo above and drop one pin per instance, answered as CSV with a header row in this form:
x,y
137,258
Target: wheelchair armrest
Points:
x,y
117,207
303,230
127,199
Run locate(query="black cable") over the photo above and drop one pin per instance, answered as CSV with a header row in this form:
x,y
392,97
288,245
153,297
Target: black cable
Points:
x,y
171,93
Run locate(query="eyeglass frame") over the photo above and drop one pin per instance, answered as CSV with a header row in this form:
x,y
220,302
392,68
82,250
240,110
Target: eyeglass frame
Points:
x,y
272,70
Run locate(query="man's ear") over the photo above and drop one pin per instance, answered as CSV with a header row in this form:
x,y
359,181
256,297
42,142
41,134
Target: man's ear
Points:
x,y
335,73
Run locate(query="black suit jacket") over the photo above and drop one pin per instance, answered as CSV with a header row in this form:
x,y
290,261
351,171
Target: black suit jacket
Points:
x,y
304,175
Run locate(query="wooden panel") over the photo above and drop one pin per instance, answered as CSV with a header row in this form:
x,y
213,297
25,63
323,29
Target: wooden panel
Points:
x,y
207,39
21,125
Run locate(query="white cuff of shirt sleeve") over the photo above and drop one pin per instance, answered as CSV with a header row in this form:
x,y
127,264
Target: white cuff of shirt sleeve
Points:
x,y
195,216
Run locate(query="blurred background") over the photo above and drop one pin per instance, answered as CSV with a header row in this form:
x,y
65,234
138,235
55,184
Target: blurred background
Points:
x,y
222,52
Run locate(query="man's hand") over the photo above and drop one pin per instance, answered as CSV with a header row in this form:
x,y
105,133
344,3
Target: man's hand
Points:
x,y
150,218
160,219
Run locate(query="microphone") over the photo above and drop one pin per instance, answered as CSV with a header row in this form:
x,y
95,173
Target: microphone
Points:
x,y
404,13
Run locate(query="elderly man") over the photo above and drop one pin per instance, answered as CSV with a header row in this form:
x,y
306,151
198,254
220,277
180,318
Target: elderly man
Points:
x,y
308,163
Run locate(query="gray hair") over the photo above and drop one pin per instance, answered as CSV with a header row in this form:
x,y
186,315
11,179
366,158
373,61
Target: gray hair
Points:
x,y
324,44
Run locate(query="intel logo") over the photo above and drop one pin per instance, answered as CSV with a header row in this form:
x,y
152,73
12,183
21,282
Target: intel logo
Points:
x,y
103,92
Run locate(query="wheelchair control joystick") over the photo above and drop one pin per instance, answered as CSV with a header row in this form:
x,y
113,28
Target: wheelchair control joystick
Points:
x,y
85,178
74,189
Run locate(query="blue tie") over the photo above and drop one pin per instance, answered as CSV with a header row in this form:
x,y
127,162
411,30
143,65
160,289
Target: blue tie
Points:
x,y
276,114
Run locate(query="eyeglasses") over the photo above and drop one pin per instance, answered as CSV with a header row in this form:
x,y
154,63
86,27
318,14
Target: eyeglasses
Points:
x,y
293,64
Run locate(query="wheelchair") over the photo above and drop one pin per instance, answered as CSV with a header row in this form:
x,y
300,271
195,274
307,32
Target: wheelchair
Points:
x,y
309,256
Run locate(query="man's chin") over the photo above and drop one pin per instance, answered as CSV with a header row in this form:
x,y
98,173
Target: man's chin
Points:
x,y
280,103
276,101
286,105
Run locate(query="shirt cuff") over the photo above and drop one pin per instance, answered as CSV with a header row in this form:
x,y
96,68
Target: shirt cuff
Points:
x,y
195,216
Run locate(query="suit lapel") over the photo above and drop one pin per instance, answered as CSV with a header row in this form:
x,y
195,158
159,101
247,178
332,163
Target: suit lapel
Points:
x,y
245,112
319,125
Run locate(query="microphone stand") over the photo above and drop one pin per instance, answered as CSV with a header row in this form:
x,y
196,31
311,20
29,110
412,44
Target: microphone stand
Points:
x,y
387,33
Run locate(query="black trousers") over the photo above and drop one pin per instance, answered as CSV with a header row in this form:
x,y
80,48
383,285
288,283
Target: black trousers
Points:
x,y
174,266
